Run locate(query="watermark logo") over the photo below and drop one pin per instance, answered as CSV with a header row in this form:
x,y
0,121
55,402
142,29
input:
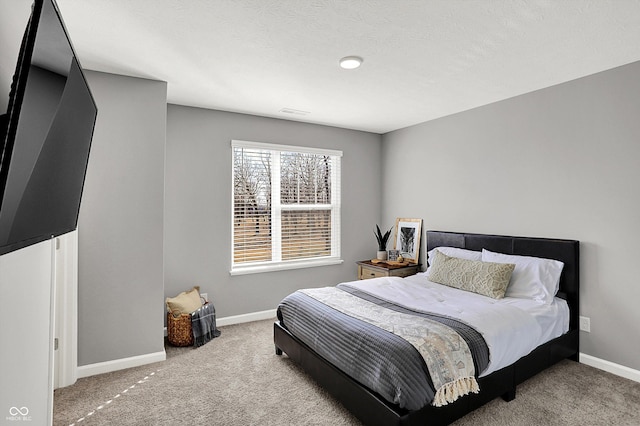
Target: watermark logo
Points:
x,y
18,414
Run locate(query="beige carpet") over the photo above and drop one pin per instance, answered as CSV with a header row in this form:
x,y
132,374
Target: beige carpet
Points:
x,y
238,380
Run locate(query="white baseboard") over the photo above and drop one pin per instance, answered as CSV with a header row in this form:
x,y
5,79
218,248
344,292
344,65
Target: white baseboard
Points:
x,y
239,319
120,364
608,366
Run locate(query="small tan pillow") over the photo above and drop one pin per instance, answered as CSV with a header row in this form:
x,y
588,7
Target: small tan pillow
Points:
x,y
486,278
186,302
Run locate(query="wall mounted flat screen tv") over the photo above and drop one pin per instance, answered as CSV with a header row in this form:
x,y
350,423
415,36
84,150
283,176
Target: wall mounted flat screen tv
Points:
x,y
45,136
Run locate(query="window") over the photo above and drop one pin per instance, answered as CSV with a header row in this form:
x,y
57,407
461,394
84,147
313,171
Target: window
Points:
x,y
286,207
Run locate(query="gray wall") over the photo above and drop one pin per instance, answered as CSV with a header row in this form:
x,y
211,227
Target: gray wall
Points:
x,y
560,162
198,205
120,277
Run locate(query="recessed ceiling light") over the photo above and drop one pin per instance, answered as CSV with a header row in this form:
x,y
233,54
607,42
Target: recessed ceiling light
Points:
x,y
350,62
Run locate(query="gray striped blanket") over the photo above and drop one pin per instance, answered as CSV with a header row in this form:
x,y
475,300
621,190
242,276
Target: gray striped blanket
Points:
x,y
393,351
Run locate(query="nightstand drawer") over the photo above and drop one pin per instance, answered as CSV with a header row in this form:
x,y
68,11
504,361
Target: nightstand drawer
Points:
x,y
365,273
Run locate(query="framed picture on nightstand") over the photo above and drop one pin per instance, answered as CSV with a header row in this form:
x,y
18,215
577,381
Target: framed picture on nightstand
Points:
x,y
407,239
393,255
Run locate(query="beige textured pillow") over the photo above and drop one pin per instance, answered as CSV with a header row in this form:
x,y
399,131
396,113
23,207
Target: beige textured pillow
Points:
x,y
186,302
486,278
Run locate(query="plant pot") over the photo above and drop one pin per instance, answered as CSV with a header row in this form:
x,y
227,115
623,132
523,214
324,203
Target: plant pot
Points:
x,y
382,255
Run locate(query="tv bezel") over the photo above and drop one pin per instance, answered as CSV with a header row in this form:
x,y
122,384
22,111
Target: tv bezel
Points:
x,y
16,94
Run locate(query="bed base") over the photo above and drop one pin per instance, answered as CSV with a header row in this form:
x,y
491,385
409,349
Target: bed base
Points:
x,y
372,409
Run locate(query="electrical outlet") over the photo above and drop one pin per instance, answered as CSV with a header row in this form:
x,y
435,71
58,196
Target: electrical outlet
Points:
x,y
205,297
585,324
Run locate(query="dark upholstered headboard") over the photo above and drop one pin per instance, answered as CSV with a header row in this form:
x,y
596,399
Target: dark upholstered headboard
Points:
x,y
567,251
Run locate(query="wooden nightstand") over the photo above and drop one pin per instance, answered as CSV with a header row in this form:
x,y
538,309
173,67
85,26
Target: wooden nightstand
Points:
x,y
368,269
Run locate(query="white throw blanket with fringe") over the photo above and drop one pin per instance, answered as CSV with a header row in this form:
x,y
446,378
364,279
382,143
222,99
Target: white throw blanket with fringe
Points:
x,y
444,351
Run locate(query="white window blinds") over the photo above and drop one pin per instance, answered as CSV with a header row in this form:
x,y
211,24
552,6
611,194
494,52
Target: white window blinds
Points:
x,y
286,206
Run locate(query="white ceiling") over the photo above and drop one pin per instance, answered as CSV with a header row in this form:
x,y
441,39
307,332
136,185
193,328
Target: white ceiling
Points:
x,y
423,59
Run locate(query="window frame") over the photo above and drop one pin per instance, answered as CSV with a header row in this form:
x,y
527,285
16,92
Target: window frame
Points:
x,y
278,208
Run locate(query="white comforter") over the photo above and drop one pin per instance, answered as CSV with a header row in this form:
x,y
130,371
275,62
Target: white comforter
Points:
x,y
511,327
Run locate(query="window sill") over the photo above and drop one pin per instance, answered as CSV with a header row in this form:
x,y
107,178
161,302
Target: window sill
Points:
x,y
258,269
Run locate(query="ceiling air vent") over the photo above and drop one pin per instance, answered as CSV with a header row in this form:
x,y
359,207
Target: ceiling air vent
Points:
x,y
294,111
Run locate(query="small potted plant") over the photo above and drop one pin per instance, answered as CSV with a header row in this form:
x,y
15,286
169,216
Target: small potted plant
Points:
x,y
382,242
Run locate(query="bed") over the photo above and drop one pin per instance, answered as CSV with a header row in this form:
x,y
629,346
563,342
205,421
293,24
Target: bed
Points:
x,y
374,405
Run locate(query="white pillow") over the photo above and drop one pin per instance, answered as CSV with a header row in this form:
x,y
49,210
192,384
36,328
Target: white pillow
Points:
x,y
453,252
533,277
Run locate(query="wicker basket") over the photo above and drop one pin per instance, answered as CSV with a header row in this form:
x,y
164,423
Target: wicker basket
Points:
x,y
179,332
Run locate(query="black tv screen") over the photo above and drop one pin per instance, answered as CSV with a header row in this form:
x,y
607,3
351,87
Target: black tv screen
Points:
x,y
47,135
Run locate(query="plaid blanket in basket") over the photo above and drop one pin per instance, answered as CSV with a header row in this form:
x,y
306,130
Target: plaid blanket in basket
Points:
x,y
203,324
